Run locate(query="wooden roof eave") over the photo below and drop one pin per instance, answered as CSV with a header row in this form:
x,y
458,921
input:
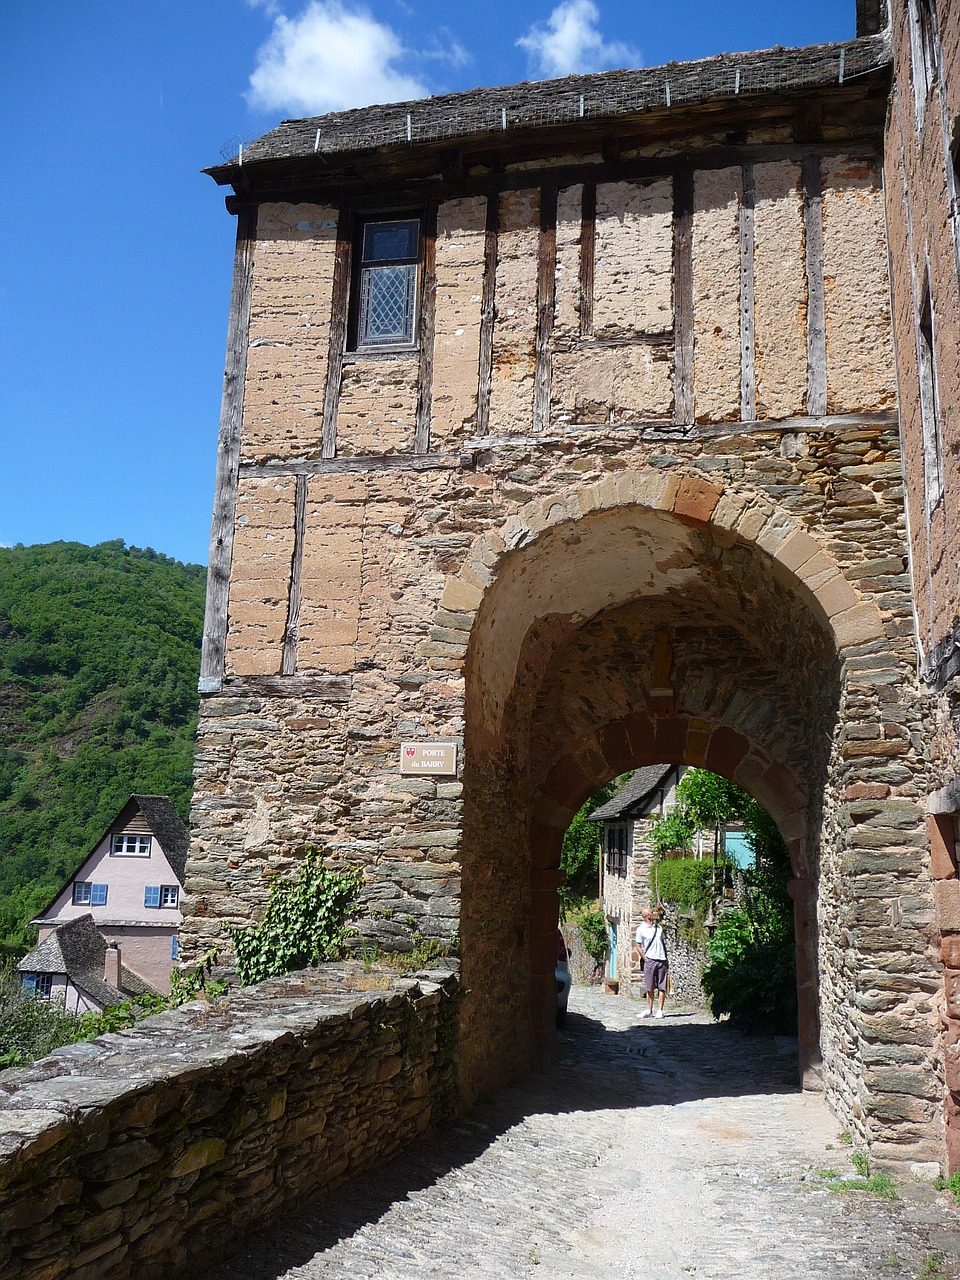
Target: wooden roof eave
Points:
x,y
482,163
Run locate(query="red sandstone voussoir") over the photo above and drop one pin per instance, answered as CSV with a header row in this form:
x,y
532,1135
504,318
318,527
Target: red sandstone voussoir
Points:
x,y
696,501
566,781
725,751
943,855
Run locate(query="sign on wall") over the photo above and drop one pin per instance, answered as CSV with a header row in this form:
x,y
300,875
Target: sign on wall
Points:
x,y
428,757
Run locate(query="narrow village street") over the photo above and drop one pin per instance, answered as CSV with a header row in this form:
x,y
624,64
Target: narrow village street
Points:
x,y
655,1150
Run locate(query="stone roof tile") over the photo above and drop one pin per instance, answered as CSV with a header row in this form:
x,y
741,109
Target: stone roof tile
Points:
x,y
588,98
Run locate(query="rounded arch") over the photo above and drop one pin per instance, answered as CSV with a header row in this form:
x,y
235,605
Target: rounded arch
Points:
x,y
678,502
565,604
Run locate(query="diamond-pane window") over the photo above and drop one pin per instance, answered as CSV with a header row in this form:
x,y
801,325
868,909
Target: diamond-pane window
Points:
x,y
387,306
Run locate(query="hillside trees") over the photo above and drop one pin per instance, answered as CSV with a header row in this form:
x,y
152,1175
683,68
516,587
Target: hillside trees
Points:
x,y
99,658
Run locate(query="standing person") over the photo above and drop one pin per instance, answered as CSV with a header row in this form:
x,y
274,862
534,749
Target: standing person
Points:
x,y
653,953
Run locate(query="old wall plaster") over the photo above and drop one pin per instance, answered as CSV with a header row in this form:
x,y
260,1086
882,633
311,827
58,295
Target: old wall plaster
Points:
x,y
289,330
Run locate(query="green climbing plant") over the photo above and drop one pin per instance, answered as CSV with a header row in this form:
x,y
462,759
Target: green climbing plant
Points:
x,y
306,921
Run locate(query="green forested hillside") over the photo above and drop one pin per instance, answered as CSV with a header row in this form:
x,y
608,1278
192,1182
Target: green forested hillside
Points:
x,y
99,658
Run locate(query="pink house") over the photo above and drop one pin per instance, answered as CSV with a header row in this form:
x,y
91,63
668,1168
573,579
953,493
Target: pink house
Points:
x,y
127,892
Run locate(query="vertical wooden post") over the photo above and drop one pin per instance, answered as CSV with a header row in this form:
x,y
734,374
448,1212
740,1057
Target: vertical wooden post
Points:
x,y
546,292
213,656
683,401
588,257
288,666
339,305
748,369
488,312
816,312
427,326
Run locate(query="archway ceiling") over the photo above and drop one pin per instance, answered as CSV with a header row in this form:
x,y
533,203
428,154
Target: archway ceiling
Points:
x,y
722,674
547,596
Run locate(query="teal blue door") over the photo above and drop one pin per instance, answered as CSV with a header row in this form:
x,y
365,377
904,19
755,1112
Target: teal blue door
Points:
x,y
612,968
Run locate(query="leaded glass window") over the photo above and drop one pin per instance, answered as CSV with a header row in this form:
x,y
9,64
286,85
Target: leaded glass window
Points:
x,y
389,255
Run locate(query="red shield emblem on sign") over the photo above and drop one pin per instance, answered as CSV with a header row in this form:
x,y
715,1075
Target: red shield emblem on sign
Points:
x,y
410,751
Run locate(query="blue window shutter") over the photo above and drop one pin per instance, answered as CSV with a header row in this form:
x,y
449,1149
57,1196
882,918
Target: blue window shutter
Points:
x,y
98,895
29,981
174,948
151,895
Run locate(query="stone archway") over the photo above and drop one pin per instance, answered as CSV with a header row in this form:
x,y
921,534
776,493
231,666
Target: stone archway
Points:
x,y
771,653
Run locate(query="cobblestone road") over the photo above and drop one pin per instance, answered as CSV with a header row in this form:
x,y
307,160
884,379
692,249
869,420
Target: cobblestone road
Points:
x,y
655,1151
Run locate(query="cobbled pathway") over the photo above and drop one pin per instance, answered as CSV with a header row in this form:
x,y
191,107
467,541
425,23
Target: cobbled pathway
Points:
x,y
654,1150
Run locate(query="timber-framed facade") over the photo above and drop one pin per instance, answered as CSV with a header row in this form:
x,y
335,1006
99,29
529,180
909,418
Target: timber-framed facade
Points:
x,y
648,385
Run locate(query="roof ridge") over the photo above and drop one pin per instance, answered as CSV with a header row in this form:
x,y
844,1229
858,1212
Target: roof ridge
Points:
x,y
589,97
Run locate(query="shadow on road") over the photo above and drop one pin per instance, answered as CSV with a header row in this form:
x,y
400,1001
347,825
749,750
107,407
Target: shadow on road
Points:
x,y
653,1063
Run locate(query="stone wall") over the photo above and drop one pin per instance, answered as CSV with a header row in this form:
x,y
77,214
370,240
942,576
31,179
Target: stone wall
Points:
x,y
922,190
654,391
150,1153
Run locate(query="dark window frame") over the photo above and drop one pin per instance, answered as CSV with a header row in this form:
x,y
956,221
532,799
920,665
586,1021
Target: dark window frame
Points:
x,y
83,893
154,894
361,265
616,848
924,53
929,401
38,984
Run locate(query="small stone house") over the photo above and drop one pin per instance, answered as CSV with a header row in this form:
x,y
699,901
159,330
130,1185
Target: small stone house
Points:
x,y
626,856
129,886
75,963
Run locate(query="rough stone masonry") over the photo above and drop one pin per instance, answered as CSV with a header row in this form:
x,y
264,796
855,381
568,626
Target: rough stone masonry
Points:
x,y
648,386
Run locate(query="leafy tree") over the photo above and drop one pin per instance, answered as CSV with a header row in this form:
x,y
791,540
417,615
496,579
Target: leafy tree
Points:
x,y
99,659
30,1027
750,974
673,832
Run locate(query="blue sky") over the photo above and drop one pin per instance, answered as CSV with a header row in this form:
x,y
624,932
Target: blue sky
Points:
x,y
115,251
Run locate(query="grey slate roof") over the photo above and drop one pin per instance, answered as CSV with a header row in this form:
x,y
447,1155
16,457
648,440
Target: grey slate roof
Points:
x,y
78,949
164,822
588,98
633,798
167,826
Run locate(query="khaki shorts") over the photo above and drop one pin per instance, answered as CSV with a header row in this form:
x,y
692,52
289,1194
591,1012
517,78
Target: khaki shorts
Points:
x,y
654,975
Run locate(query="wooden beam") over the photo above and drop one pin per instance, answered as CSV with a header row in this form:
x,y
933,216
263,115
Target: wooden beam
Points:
x,y
588,257
213,656
748,372
339,305
289,661
683,403
319,688
488,311
346,466
816,307
394,191
426,332
546,294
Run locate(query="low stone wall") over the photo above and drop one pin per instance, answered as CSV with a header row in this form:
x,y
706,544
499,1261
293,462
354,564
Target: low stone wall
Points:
x,y
686,968
152,1152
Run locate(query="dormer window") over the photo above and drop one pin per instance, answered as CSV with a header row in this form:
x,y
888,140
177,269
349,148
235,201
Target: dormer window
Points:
x,y
385,307
125,845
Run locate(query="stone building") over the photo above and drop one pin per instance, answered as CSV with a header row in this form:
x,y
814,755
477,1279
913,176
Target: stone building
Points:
x,y
923,223
129,886
560,424
626,855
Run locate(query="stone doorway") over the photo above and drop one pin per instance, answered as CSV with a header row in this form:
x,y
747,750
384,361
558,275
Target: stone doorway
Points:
x,y
646,620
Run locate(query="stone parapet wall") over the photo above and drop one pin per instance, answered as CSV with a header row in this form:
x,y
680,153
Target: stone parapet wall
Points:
x,y
146,1153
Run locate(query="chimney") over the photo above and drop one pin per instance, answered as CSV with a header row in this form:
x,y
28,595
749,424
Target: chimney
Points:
x,y
111,965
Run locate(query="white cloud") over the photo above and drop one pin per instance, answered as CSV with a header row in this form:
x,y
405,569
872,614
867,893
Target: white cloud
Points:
x,y
570,42
330,58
